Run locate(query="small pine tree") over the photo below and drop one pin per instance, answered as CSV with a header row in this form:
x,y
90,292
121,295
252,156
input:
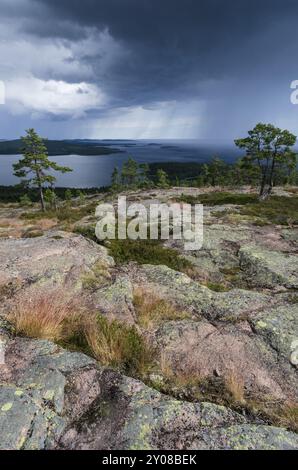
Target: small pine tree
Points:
x,y
68,195
115,180
81,196
162,179
50,198
35,164
25,200
144,175
129,173
217,169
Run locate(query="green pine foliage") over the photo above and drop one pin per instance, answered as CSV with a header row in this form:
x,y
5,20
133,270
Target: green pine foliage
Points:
x,y
35,166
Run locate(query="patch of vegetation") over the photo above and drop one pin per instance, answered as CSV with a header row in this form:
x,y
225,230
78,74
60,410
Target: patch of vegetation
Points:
x,y
63,213
98,274
217,287
74,214
219,198
279,414
33,234
87,231
147,252
184,384
151,310
17,192
177,171
60,147
279,210
43,313
47,313
117,345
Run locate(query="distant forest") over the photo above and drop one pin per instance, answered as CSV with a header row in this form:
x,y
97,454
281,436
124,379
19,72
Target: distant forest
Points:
x,y
60,147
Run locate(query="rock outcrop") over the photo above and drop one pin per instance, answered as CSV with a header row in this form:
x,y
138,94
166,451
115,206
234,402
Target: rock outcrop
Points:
x,y
240,324
54,399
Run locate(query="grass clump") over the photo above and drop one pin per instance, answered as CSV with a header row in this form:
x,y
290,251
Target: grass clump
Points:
x,y
151,310
120,346
44,313
98,275
147,252
279,414
217,287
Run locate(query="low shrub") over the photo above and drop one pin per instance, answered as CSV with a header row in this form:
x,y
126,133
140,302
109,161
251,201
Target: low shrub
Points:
x,y
279,210
219,198
147,252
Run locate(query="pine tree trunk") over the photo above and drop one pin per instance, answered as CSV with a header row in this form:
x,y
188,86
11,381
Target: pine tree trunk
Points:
x,y
262,188
41,199
38,179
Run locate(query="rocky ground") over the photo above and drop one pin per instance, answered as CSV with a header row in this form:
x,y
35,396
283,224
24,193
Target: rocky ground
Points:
x,y
224,374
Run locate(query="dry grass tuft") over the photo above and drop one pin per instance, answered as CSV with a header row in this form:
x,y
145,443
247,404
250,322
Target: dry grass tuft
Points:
x,y
151,310
45,313
288,417
235,386
48,314
179,378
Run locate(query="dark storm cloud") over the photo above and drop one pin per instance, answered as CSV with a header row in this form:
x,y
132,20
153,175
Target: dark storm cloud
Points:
x,y
201,65
176,45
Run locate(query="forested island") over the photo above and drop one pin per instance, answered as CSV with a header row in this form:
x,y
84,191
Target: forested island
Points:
x,y
60,147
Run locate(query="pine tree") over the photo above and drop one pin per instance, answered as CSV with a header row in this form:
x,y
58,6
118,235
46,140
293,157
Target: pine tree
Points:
x,y
35,165
68,195
162,179
217,170
50,197
144,174
130,172
270,149
115,179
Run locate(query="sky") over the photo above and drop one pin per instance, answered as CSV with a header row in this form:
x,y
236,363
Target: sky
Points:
x,y
147,69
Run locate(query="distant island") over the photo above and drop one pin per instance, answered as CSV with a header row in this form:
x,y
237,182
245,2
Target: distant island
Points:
x,y
61,147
